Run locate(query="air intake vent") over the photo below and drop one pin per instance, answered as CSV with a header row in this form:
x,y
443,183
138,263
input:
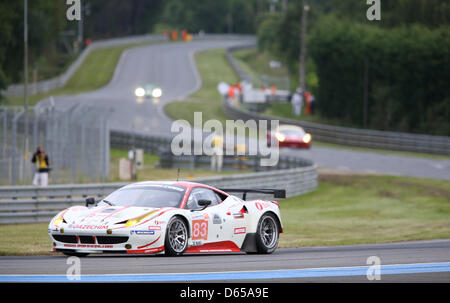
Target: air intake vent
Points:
x,y
65,238
111,239
87,240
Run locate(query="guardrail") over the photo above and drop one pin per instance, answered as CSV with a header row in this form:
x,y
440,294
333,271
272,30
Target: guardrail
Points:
x,y
355,137
161,147
345,135
30,204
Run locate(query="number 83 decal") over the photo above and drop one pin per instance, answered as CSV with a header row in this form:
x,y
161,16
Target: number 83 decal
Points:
x,y
199,229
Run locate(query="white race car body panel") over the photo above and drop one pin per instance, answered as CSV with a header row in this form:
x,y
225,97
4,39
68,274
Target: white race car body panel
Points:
x,y
129,229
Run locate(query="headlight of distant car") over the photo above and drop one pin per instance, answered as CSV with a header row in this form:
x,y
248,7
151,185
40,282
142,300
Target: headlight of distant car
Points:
x,y
156,93
139,92
307,138
280,137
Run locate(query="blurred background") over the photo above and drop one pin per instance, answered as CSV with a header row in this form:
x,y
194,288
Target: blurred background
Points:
x,y
389,74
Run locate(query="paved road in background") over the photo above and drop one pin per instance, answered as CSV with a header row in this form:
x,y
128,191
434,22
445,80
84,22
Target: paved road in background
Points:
x,y
347,160
169,65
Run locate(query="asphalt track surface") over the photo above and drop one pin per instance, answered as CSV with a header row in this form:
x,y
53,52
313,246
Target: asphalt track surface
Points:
x,y
172,66
423,261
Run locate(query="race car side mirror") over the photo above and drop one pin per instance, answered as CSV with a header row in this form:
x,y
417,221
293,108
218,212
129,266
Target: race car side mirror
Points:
x,y
90,201
202,202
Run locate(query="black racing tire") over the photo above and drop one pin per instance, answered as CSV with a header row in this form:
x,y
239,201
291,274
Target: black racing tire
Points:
x,y
267,234
176,239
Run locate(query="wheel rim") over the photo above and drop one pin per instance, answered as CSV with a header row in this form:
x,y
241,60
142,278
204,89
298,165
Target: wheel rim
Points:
x,y
268,232
177,236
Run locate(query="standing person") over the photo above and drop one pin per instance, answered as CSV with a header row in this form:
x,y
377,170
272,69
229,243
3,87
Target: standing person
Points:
x,y
40,159
308,102
313,104
297,102
217,155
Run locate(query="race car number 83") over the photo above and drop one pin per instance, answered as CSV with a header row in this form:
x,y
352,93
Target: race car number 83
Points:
x,y
199,230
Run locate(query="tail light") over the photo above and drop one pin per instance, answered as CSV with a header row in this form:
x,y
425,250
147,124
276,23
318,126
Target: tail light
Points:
x,y
243,210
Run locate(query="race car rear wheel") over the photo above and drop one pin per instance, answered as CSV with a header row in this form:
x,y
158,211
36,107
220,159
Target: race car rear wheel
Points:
x,y
267,234
176,237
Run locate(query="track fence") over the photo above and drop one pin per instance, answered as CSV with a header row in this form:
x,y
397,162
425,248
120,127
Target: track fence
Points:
x,y
76,141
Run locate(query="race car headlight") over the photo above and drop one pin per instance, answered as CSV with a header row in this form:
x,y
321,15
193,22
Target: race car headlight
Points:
x,y
280,137
135,221
58,221
131,222
307,138
139,92
156,93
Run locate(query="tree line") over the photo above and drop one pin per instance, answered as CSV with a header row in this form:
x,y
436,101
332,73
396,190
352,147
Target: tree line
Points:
x,y
387,74
51,34
390,74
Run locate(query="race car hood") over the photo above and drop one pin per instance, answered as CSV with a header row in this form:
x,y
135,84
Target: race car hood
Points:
x,y
106,215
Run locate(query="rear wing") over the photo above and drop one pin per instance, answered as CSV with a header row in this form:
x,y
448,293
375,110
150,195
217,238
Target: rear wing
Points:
x,y
277,193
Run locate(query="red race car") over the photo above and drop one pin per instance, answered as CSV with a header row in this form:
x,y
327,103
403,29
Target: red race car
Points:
x,y
290,136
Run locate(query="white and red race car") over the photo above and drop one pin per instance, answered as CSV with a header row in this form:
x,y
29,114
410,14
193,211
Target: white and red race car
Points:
x,y
170,217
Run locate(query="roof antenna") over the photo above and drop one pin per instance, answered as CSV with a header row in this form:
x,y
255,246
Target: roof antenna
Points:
x,y
178,173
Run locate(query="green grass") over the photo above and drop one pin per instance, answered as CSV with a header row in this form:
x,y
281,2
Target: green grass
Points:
x,y
213,68
344,210
95,72
24,239
256,63
357,209
285,110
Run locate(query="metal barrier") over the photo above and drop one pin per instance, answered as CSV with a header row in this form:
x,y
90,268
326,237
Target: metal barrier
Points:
x,y
345,135
29,204
161,147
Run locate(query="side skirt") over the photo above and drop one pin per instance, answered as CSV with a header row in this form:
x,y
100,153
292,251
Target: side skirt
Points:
x,y
249,244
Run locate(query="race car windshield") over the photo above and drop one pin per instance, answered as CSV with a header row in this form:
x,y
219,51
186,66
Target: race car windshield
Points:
x,y
291,132
147,196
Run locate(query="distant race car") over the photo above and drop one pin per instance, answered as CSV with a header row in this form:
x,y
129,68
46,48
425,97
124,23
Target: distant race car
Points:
x,y
169,217
290,136
149,91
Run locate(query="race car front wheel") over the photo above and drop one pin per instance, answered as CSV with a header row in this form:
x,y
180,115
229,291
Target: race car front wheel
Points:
x,y
267,234
176,237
